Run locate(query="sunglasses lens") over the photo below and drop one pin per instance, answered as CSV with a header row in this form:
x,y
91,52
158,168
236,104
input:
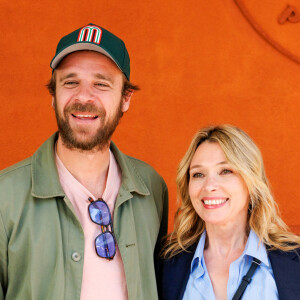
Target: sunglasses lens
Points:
x,y
99,213
105,245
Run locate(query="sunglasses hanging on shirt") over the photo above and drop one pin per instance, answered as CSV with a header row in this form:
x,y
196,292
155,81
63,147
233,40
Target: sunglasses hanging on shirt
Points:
x,y
105,242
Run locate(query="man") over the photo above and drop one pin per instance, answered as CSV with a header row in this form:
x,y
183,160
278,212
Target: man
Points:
x,y
79,219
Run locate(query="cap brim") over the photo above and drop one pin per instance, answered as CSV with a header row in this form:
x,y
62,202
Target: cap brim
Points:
x,y
79,47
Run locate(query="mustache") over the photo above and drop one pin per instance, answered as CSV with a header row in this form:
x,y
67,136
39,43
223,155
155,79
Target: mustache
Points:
x,y
88,107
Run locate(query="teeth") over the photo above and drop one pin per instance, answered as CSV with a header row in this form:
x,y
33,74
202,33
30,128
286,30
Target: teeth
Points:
x,y
214,202
85,116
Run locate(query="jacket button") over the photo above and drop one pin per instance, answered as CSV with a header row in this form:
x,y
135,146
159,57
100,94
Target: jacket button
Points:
x,y
76,256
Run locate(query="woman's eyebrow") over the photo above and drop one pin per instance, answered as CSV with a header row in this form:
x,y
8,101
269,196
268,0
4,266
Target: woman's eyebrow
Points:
x,y
200,166
223,163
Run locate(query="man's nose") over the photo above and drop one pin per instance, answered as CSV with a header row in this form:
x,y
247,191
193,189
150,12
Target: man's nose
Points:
x,y
85,93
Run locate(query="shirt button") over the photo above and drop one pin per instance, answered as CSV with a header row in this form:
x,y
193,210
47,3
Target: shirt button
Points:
x,y
76,256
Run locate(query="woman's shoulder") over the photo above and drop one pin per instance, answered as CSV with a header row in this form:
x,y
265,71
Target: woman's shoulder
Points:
x,y
173,274
286,270
182,255
179,262
280,254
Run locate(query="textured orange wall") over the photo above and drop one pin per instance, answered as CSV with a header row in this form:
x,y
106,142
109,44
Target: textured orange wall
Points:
x,y
197,63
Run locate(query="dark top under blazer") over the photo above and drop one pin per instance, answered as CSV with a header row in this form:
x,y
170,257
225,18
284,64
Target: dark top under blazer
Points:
x,y
173,274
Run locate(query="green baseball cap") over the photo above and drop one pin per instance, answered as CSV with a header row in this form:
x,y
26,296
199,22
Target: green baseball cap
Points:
x,y
95,38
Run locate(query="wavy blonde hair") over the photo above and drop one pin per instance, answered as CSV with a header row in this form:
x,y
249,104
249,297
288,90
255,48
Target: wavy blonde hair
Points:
x,y
263,214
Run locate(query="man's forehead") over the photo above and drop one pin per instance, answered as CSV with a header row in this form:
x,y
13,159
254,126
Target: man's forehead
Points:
x,y
87,56
66,75
88,63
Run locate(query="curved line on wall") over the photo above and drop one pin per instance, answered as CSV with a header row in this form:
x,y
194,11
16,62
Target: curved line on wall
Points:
x,y
263,34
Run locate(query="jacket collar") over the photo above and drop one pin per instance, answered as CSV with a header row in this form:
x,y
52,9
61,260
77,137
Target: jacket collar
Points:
x,y
45,180
131,178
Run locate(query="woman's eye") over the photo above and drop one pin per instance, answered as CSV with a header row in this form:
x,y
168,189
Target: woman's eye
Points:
x,y
198,175
226,171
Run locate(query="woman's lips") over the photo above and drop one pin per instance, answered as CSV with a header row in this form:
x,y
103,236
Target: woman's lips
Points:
x,y
214,202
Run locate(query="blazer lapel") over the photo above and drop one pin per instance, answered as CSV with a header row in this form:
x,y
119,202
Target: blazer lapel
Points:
x,y
286,269
186,266
176,271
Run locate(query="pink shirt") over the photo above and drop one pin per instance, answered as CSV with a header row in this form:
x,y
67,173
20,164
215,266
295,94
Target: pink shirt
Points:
x,y
102,279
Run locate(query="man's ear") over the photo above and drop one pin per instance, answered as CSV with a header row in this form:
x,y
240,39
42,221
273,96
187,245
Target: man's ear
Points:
x,y
126,101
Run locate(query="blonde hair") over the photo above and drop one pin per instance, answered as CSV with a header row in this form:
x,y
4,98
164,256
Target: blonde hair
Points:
x,y
263,215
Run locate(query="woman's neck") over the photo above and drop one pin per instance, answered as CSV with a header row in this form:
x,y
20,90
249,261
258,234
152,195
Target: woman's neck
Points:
x,y
226,241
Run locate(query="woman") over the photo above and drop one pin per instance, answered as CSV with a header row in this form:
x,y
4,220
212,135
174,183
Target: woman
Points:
x,y
227,224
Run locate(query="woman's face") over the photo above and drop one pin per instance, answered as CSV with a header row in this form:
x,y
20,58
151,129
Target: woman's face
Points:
x,y
217,191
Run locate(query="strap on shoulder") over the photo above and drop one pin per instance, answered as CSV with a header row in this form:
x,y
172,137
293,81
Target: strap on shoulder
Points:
x,y
246,279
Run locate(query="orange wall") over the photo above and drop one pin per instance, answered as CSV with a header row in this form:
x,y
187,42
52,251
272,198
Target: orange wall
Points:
x,y
197,63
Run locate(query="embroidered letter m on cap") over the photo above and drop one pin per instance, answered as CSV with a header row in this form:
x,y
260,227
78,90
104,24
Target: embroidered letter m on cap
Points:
x,y
90,33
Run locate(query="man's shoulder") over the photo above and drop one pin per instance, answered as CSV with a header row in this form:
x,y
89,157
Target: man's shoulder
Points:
x,y
16,169
25,165
144,170
15,186
136,166
141,165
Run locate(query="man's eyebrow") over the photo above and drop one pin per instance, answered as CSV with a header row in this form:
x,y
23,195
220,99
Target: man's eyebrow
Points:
x,y
200,166
97,75
104,77
67,76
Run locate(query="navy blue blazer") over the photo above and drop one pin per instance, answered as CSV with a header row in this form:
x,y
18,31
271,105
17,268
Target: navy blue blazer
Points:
x,y
173,274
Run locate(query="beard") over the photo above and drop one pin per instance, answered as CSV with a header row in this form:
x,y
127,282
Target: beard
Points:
x,y
99,140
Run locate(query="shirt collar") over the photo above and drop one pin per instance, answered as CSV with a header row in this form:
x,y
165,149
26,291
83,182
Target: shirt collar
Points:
x,y
197,269
253,248
112,174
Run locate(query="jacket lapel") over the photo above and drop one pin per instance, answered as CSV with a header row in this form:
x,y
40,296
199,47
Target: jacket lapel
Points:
x,y
286,269
176,271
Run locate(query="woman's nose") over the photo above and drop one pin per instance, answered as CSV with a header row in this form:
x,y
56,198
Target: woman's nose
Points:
x,y
211,183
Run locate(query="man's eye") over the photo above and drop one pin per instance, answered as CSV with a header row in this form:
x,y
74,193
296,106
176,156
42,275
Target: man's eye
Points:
x,y
101,84
70,83
226,171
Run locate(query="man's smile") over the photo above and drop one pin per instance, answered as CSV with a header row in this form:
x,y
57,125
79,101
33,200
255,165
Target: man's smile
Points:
x,y
84,116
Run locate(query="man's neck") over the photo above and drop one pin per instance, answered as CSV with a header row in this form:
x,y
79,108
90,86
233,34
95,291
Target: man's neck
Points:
x,y
90,168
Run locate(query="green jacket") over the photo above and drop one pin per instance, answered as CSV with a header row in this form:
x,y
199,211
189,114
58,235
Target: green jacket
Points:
x,y
42,241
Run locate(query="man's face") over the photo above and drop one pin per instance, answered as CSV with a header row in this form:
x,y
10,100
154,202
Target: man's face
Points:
x,y
88,102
